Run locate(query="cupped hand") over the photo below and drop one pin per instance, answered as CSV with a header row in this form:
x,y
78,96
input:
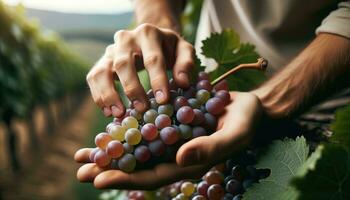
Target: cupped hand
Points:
x,y
235,131
146,46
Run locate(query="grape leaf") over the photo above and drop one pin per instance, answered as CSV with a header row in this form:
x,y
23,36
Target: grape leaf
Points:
x,y
326,174
283,158
225,48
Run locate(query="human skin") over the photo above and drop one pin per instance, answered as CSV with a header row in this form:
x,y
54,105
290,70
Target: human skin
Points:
x,y
318,71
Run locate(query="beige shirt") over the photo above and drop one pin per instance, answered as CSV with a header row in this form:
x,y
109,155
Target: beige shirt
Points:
x,y
279,29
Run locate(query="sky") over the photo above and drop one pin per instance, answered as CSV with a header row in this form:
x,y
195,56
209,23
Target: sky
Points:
x,y
77,6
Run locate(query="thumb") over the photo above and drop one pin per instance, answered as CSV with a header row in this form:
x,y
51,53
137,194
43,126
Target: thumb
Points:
x,y
211,149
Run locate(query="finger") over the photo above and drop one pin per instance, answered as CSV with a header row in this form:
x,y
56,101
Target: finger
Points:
x,y
184,63
153,59
148,179
124,66
82,155
88,172
101,82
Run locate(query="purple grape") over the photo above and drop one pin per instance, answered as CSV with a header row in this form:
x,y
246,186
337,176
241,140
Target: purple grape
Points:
x,y
203,76
150,94
222,85
234,187
228,196
204,84
157,147
190,92
215,106
169,135
194,103
162,121
198,117
198,131
142,153
127,163
185,115
202,188
180,102
224,96
210,121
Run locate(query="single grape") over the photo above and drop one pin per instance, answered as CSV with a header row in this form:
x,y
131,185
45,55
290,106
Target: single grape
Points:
x,y
128,148
202,188
157,147
142,153
185,131
204,84
92,154
215,106
149,132
185,115
162,121
115,149
181,196
150,94
114,164
213,177
117,132
110,125
166,109
238,197
227,179
187,188
154,104
224,96
203,76
102,139
194,103
150,116
198,131
130,122
169,135
133,136
136,195
215,192
199,197
198,117
234,187
222,85
179,102
127,163
190,92
238,173
210,121
202,96
136,114
101,158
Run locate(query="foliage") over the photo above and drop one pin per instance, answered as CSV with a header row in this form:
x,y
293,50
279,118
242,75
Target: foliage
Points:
x,y
190,19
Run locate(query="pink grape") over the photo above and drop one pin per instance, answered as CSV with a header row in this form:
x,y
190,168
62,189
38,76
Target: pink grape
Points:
x,y
214,177
142,153
202,188
185,115
157,147
149,132
215,106
101,158
203,76
224,96
115,149
169,135
222,85
102,139
136,195
92,154
204,84
215,192
162,121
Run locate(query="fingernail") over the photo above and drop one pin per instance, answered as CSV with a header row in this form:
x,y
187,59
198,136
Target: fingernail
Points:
x,y
116,111
138,104
107,111
190,158
159,96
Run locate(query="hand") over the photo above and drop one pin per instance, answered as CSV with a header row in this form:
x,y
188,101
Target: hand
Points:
x,y
194,158
146,46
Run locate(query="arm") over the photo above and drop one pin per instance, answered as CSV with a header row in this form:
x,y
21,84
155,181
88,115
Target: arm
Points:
x,y
318,71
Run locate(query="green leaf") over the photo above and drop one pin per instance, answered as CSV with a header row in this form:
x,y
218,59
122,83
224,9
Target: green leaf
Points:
x,y
283,158
341,127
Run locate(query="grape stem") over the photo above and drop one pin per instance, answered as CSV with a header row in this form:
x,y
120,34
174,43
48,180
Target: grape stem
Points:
x,y
261,64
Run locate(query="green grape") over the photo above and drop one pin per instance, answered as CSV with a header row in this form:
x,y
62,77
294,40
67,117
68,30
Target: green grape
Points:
x,y
166,109
187,188
150,116
133,136
127,163
136,114
117,132
202,96
130,122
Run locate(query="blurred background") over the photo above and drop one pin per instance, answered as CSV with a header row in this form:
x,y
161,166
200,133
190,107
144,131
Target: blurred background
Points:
x,y
46,113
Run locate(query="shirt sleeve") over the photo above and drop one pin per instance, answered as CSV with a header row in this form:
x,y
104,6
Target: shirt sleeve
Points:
x,y
338,21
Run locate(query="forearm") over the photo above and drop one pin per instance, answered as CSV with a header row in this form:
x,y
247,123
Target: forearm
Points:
x,y
319,70
162,13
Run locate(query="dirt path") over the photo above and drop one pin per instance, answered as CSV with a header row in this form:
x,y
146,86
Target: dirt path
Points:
x,y
53,170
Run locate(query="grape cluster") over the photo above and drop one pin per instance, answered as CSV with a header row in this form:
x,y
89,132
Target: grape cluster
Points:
x,y
224,182
139,140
